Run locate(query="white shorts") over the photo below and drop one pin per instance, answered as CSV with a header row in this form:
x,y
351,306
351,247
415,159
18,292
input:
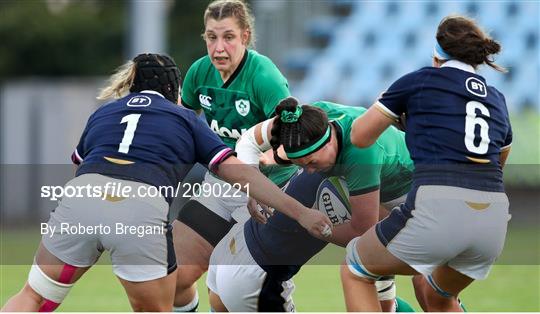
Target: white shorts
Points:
x,y
395,202
134,230
242,285
462,228
227,208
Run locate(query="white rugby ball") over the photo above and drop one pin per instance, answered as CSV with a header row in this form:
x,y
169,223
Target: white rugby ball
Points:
x,y
333,200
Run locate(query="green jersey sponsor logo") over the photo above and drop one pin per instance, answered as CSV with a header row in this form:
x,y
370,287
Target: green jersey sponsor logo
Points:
x,y
224,132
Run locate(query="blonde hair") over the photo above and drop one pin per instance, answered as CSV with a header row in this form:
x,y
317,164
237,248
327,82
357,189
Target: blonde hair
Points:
x,y
221,9
120,82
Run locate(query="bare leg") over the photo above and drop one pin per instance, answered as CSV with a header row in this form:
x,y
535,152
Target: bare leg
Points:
x,y
193,255
216,303
151,296
388,305
360,293
28,300
448,280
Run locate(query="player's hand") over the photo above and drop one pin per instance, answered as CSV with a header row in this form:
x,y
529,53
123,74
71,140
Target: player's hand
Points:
x,y
259,212
316,223
267,158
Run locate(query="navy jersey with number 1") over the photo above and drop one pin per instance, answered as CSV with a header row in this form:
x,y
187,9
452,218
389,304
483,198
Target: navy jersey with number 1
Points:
x,y
146,138
455,122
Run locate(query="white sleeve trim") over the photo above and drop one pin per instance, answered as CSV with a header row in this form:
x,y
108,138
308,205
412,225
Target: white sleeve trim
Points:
x,y
218,157
386,110
79,158
506,147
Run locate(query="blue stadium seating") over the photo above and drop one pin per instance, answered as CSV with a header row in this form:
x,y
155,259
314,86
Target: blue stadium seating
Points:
x,y
378,41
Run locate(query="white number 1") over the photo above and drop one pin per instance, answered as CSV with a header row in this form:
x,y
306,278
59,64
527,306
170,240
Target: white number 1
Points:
x,y
129,132
471,120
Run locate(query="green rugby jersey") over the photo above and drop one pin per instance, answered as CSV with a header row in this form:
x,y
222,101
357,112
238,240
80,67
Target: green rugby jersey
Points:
x,y
385,165
248,97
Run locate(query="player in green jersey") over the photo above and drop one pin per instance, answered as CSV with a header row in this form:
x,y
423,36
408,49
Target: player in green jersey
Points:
x,y
236,88
317,137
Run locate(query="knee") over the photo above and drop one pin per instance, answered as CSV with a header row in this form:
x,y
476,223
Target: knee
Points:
x,y
31,294
432,300
420,285
40,287
353,266
436,303
187,275
216,303
146,306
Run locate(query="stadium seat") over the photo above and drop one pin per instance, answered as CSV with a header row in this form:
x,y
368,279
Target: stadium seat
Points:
x,y
377,42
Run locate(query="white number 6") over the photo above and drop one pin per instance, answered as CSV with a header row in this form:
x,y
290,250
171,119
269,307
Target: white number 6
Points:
x,y
471,120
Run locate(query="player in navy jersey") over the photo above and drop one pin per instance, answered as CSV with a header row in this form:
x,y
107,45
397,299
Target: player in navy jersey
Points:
x,y
140,141
453,225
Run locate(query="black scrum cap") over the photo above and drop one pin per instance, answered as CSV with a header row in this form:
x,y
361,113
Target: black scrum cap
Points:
x,y
158,73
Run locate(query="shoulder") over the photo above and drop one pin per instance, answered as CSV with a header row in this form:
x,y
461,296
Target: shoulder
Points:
x,y
182,112
329,108
496,93
113,104
202,64
420,73
410,79
258,59
263,66
339,112
418,80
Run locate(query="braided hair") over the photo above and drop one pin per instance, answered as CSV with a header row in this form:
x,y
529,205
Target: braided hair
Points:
x,y
310,125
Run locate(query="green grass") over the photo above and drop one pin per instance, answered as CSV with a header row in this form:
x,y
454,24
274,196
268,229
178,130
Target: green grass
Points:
x,y
525,148
510,287
523,164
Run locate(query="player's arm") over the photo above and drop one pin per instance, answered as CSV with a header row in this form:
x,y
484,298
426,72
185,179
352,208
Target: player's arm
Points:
x,y
78,154
188,97
233,170
504,155
369,126
387,110
76,159
365,214
184,104
254,142
221,160
505,150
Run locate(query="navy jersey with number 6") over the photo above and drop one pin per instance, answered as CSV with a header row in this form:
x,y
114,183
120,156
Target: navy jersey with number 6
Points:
x,y
454,119
145,137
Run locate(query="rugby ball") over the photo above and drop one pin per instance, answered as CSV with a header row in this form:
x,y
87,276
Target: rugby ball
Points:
x,y
333,200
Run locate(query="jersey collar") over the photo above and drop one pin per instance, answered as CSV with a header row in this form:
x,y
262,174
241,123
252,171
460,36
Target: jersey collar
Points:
x,y
237,71
152,92
459,65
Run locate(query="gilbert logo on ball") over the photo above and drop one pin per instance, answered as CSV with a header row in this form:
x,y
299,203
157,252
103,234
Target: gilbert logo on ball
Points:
x,y
333,200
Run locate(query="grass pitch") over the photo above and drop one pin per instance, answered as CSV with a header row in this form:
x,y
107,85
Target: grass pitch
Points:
x,y
513,285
